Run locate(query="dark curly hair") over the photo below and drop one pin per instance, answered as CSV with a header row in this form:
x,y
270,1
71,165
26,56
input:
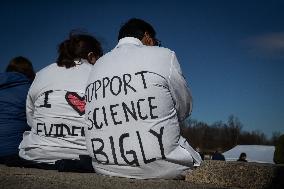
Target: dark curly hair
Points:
x,y
76,47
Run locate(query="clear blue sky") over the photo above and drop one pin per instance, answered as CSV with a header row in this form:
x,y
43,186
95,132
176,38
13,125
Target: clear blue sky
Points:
x,y
231,52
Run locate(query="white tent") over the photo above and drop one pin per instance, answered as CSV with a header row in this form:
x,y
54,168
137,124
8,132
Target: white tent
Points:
x,y
255,153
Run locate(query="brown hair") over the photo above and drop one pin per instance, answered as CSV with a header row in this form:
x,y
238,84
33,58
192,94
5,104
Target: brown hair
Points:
x,y
22,65
76,47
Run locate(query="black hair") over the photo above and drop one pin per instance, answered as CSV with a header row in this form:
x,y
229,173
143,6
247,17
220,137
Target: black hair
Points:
x,y
136,28
242,155
21,65
76,47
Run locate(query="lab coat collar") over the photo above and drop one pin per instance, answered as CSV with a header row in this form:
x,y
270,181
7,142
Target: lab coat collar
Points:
x,y
129,40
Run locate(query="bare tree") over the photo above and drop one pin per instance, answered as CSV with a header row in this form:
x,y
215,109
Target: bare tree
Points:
x,y
222,135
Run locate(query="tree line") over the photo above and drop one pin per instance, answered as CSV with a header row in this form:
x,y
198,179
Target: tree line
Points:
x,y
223,135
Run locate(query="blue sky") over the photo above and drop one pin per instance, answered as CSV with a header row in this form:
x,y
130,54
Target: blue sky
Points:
x,y
231,52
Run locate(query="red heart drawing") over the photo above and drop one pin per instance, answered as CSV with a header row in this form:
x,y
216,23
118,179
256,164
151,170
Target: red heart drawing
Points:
x,y
76,102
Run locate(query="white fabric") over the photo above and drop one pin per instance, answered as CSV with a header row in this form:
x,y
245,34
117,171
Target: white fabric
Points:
x,y
55,112
255,153
135,99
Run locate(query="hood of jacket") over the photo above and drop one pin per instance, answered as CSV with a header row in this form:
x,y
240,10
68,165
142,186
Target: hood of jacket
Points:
x,y
11,79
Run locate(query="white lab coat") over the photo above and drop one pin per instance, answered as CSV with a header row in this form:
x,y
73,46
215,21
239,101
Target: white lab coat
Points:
x,y
55,113
136,98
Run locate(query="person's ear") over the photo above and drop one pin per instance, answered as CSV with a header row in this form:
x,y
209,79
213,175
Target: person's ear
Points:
x,y
92,58
147,40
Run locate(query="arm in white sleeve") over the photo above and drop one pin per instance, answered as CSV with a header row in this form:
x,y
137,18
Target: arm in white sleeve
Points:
x,y
30,106
179,90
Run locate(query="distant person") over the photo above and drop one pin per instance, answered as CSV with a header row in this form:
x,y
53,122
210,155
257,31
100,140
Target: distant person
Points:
x,y
14,86
243,157
200,153
218,155
136,98
56,105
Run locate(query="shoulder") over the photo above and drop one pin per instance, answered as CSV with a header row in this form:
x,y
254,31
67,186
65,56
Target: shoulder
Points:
x,y
143,49
45,74
158,50
160,54
13,78
139,54
47,68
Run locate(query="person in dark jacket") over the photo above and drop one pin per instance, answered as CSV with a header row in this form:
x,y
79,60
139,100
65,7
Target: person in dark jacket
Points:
x,y
243,157
14,86
218,155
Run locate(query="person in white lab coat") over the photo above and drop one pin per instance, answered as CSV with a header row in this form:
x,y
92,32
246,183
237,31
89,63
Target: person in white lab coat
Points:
x,y
136,99
55,104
